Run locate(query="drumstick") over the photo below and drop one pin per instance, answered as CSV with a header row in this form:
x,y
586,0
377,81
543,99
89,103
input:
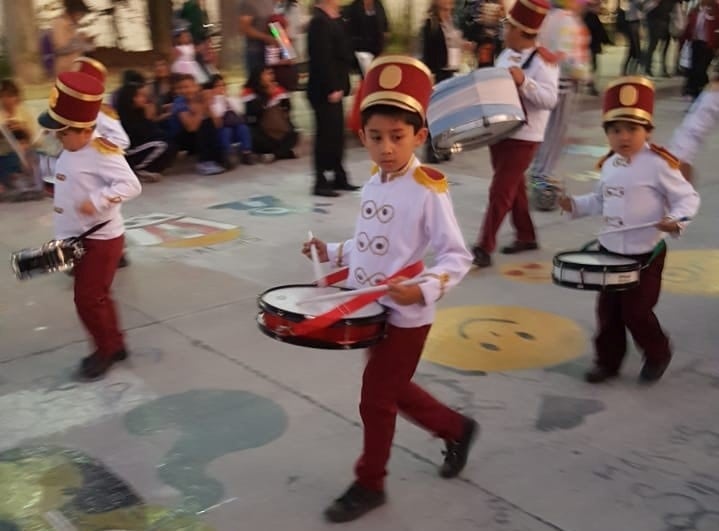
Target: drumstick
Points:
x,y
356,292
635,227
319,276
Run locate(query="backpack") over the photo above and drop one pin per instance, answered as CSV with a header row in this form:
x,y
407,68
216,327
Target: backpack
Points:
x,y
47,52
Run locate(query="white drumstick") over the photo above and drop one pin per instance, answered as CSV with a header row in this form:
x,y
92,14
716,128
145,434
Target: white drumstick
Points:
x,y
356,292
635,227
319,276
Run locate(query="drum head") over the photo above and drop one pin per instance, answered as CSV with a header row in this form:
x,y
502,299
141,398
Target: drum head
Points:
x,y
595,258
286,299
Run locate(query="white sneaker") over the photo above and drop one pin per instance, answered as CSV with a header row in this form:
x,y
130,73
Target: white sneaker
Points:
x,y
209,168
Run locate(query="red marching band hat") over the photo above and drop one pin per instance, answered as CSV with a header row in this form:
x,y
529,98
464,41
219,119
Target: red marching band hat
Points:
x,y
630,99
75,101
528,15
91,67
397,80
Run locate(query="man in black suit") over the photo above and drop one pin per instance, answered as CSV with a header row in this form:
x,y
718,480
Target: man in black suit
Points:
x,y
330,59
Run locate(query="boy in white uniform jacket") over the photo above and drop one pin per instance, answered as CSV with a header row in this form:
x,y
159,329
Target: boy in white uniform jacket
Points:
x,y
405,212
92,181
640,183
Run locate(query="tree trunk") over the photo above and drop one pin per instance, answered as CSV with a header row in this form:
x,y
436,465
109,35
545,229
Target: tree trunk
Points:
x,y
22,40
160,13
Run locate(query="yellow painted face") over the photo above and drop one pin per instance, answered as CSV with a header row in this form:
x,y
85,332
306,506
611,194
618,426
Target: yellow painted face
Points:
x,y
501,338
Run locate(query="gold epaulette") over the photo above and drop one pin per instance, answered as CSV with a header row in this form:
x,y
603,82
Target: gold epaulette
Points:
x,y
604,159
431,178
375,169
107,110
104,146
666,155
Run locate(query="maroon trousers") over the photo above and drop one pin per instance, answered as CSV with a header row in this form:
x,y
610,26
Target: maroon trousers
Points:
x,y
94,273
386,390
508,192
633,310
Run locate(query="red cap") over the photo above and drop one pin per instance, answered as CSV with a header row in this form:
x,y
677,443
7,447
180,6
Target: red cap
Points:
x,y
528,15
91,67
397,80
75,101
629,99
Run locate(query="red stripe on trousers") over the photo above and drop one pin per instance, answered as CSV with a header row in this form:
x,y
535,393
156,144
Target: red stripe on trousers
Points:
x,y
94,274
508,192
386,390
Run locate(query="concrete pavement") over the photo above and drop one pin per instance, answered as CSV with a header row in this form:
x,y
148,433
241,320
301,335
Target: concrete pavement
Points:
x,y
212,425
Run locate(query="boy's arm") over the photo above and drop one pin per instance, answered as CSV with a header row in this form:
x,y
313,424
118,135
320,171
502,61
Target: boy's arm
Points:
x,y
683,200
696,126
111,128
452,259
121,183
339,253
542,89
591,204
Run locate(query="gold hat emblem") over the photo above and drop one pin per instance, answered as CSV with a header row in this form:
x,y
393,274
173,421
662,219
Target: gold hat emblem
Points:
x,y
54,95
628,96
390,77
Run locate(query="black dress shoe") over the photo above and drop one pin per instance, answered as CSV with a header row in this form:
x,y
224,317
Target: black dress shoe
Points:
x,y
120,355
354,503
346,187
599,374
481,257
519,247
325,192
94,367
124,261
652,372
455,456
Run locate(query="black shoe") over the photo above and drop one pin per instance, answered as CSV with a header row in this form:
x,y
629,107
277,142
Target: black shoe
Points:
x,y
248,158
124,261
652,372
354,503
519,247
94,367
346,187
481,257
325,192
120,355
599,374
455,456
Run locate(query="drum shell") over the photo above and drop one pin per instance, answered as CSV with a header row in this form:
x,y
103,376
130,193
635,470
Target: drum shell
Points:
x,y
347,333
48,184
55,255
595,277
474,110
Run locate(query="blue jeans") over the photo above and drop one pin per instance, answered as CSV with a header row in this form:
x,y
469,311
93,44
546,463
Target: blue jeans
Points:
x,y
232,135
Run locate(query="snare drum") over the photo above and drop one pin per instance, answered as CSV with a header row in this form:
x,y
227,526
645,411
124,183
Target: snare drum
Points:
x,y
48,184
595,271
55,255
279,311
474,110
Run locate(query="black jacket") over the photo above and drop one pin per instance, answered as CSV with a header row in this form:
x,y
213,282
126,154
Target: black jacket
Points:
x,y
330,57
367,33
434,47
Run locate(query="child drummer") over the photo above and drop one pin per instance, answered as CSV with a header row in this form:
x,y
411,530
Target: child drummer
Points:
x,y
640,183
405,211
92,181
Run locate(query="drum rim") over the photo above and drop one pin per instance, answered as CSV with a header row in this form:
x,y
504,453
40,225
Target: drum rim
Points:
x,y
516,119
588,286
303,341
297,317
597,268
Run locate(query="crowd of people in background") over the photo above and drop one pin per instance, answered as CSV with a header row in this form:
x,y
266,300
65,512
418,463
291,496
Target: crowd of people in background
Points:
x,y
184,106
